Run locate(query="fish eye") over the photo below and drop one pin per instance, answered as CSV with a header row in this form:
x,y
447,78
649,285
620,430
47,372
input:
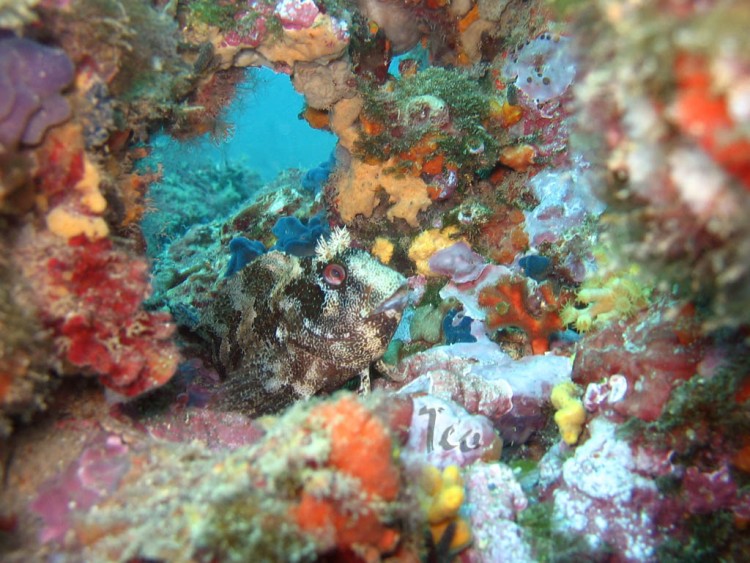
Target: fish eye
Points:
x,y
334,274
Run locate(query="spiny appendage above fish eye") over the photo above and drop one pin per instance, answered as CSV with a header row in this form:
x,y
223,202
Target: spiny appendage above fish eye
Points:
x,y
334,274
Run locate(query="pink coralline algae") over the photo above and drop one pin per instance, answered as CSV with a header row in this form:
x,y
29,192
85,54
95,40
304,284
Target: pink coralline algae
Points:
x,y
252,26
606,497
651,351
193,415
97,473
31,78
296,14
493,500
706,492
93,294
252,37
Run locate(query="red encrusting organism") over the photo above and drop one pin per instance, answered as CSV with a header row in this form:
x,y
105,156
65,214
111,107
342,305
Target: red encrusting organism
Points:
x,y
517,302
103,327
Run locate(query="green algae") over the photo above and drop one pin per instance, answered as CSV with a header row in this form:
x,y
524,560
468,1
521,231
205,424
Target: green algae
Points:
x,y
210,12
712,537
469,145
548,544
699,408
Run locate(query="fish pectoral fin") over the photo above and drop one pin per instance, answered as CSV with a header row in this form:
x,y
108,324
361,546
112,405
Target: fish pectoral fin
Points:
x,y
364,382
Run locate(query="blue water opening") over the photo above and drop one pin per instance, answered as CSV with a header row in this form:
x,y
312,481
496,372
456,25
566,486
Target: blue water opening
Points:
x,y
268,137
204,180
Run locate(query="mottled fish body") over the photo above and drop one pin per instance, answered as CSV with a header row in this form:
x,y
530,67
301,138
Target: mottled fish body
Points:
x,y
287,328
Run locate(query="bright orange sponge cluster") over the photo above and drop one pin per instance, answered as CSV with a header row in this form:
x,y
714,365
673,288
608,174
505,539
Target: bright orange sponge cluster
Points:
x,y
361,457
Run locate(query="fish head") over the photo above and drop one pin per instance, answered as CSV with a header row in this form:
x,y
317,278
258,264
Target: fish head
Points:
x,y
351,306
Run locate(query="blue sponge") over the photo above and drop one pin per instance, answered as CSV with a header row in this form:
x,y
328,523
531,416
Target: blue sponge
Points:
x,y
243,252
457,327
315,178
293,237
297,238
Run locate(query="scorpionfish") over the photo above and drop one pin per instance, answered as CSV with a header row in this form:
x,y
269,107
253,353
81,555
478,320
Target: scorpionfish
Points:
x,y
286,328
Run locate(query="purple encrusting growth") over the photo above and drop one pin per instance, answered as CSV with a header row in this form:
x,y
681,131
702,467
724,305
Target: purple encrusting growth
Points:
x,y
459,262
31,79
543,67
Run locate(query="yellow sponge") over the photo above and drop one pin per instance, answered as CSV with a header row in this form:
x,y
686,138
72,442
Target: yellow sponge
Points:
x,y
427,243
570,414
445,495
382,249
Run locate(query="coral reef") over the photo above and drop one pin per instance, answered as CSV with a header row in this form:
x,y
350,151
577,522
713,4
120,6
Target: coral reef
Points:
x,y
24,381
563,376
494,499
176,204
14,14
606,474
322,480
91,294
653,351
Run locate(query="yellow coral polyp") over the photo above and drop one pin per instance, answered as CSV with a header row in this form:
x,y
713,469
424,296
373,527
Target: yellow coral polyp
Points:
x,y
570,414
583,322
605,298
428,243
445,495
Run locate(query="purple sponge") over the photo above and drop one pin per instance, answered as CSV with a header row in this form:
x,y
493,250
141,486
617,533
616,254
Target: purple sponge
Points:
x,y
459,262
31,78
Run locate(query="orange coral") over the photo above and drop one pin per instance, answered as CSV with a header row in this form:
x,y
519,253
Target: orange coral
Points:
x,y
468,19
511,303
434,165
133,191
505,113
317,118
361,449
424,150
704,115
370,126
518,158
741,459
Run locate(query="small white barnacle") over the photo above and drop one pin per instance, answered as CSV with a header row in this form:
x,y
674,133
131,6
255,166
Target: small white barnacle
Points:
x,y
328,248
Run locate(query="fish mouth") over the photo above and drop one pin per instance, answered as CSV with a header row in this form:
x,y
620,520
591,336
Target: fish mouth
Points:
x,y
395,303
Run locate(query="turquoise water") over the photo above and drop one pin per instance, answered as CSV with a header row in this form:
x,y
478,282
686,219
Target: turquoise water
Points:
x,y
268,136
